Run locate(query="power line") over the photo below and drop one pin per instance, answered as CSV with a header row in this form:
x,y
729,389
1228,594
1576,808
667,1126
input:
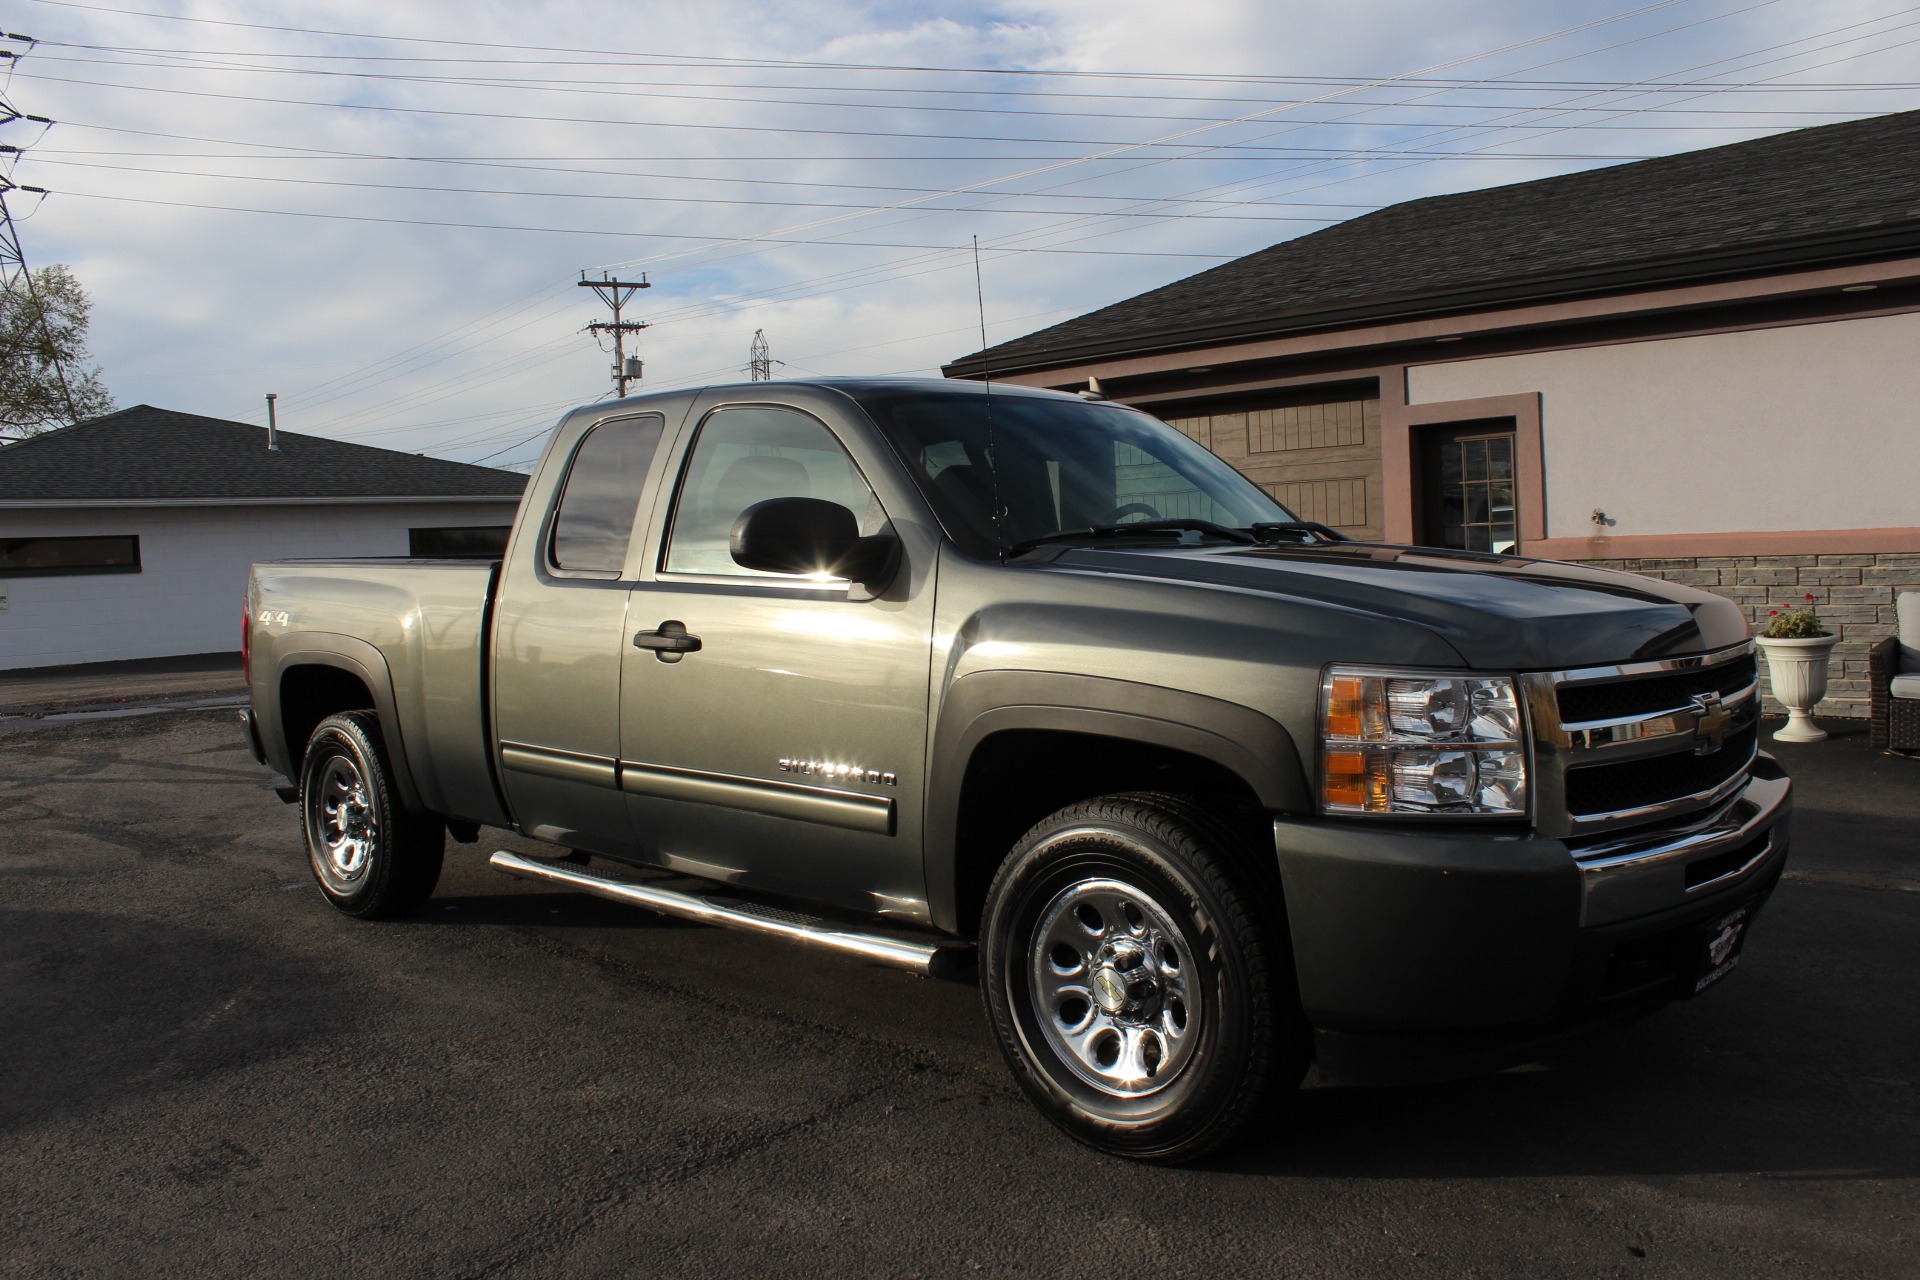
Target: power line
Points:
x,y
617,196
522,117
589,89
1416,79
584,231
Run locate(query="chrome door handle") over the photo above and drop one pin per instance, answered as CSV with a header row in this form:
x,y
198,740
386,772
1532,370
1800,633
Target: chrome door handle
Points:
x,y
669,642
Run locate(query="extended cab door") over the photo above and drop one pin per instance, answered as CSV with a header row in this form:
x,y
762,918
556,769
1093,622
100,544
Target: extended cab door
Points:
x,y
560,628
786,751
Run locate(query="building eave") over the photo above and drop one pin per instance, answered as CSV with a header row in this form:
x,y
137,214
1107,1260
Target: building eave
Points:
x,y
1827,249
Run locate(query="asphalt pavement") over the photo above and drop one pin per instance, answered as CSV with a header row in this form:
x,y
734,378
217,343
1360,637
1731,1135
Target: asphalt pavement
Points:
x,y
208,1072
136,686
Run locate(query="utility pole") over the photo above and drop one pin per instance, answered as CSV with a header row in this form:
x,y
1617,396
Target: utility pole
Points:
x,y
14,272
615,294
759,358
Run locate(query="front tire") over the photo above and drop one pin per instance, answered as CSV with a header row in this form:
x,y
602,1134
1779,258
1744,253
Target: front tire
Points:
x,y
371,856
1140,987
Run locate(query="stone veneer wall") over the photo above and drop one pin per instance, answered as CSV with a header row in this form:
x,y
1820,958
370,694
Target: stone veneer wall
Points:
x,y
1854,594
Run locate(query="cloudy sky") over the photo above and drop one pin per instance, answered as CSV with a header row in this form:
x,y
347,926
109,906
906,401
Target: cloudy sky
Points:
x,y
380,211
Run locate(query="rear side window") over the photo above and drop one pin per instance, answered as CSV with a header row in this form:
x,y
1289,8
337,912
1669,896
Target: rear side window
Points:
x,y
601,495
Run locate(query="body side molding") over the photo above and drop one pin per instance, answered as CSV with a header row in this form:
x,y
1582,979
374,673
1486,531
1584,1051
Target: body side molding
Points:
x,y
566,766
828,806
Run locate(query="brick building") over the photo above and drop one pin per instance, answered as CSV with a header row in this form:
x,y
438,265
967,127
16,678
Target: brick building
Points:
x,y
130,536
1704,367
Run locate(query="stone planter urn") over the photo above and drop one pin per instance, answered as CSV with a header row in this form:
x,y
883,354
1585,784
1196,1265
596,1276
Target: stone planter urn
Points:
x,y
1799,673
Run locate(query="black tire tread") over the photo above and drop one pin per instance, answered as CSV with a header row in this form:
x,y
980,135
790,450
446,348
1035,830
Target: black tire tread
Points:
x,y
1221,856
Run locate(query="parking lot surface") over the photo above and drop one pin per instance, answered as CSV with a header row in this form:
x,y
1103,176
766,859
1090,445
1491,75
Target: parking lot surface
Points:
x,y
208,1072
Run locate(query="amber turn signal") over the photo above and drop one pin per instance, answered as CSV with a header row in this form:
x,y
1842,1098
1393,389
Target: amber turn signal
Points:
x,y
1346,701
1346,778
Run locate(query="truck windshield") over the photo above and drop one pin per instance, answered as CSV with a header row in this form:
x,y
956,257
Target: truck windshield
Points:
x,y
1063,467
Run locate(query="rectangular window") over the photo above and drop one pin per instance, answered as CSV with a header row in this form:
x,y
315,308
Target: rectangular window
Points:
x,y
461,542
111,553
1467,482
601,495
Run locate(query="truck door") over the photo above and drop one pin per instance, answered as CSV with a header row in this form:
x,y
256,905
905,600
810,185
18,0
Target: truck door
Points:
x,y
559,630
774,727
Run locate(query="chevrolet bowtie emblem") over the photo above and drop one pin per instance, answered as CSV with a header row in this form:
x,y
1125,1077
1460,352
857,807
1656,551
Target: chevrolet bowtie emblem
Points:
x,y
1710,730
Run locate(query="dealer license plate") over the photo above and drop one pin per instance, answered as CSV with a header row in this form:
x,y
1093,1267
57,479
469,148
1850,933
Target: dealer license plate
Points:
x,y
1722,950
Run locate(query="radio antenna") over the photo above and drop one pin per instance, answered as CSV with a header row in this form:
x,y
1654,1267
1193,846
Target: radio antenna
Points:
x,y
986,377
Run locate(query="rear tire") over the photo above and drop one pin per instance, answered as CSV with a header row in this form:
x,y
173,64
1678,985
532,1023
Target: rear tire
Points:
x,y
1139,979
371,856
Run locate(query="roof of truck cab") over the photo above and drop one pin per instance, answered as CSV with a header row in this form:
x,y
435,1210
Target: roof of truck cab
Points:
x,y
156,456
847,384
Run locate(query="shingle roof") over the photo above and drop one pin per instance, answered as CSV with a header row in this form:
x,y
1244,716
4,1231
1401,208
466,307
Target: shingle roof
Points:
x,y
1827,194
158,455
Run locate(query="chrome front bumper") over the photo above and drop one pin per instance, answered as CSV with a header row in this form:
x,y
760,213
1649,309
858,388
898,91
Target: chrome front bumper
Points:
x,y
1650,871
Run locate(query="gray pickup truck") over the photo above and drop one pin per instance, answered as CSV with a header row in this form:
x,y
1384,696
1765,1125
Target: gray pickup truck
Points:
x,y
929,672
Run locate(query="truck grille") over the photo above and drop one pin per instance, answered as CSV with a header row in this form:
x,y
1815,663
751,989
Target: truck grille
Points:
x,y
1641,743
1635,784
1653,694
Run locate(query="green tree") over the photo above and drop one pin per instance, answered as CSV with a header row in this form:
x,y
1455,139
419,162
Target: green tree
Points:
x,y
45,381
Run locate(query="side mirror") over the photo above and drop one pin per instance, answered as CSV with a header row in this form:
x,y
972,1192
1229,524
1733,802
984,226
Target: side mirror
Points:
x,y
811,536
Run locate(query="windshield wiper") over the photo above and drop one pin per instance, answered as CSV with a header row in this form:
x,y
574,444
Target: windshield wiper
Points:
x,y
1175,527
1272,531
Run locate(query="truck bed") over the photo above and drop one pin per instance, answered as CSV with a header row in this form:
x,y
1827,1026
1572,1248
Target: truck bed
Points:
x,y
419,627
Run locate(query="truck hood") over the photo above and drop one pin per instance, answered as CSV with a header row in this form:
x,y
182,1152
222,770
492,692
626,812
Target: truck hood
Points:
x,y
1497,612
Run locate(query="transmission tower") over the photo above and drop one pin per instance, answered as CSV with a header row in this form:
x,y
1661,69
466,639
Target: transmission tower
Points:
x,y
759,358
14,273
615,294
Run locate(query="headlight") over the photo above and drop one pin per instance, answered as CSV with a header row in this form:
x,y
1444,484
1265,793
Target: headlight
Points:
x,y
1420,743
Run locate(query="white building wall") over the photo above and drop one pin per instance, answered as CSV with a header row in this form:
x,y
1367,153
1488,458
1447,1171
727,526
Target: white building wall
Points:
x,y
194,562
1814,426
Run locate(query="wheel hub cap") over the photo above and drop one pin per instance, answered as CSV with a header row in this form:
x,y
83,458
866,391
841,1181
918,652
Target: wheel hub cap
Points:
x,y
340,816
1108,978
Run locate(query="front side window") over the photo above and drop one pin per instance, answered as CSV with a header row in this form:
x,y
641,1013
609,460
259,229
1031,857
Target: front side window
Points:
x,y
749,455
1056,467
601,495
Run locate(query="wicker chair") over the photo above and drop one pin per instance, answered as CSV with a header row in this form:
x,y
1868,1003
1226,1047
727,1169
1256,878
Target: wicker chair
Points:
x,y
1893,669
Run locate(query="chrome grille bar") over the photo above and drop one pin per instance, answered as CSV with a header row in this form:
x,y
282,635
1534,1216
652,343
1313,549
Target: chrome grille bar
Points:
x,y
1699,728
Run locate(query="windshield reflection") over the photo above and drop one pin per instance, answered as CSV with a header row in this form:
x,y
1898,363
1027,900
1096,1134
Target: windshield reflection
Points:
x,y
1057,467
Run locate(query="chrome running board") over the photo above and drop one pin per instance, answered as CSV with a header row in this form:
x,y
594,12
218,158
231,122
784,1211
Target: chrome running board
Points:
x,y
932,958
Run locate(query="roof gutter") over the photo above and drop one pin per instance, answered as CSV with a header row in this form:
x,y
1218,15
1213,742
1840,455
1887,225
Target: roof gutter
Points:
x,y
1824,250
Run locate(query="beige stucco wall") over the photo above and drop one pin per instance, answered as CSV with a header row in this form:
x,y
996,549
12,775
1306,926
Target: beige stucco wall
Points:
x,y
1813,426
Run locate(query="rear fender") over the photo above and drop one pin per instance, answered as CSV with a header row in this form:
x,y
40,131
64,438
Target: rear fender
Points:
x,y
358,658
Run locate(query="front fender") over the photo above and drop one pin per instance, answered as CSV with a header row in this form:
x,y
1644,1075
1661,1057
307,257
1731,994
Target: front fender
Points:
x,y
1252,746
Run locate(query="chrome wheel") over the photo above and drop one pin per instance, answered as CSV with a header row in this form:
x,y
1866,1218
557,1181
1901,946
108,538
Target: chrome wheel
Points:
x,y
340,815
1109,980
